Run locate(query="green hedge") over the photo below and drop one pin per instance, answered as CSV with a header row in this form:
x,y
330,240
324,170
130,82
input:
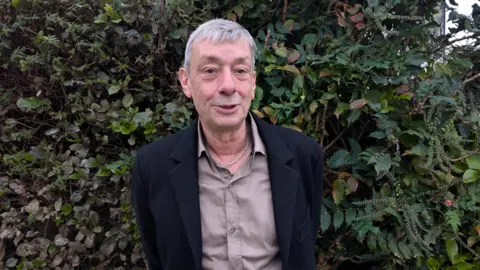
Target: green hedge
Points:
x,y
83,85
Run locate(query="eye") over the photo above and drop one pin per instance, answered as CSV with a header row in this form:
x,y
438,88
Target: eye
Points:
x,y
209,70
242,70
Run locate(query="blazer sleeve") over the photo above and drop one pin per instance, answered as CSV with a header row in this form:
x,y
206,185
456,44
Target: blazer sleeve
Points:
x,y
317,191
144,217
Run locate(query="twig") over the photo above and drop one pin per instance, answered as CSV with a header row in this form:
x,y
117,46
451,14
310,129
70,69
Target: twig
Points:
x,y
460,39
284,12
336,138
45,229
446,42
363,129
460,158
324,120
336,133
471,79
266,39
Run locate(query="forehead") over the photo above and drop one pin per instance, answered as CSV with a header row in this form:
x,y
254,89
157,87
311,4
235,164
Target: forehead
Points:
x,y
208,50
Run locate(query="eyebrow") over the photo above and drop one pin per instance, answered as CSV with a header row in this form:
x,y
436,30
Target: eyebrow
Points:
x,y
215,59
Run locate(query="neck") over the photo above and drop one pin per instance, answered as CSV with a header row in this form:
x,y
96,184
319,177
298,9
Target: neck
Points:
x,y
225,143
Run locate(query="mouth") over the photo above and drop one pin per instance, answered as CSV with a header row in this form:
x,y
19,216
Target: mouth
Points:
x,y
226,109
227,106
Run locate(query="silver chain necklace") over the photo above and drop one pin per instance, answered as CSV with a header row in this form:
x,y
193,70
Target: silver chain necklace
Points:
x,y
226,166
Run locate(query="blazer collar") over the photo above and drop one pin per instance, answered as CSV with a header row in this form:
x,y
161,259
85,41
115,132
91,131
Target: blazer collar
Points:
x,y
283,178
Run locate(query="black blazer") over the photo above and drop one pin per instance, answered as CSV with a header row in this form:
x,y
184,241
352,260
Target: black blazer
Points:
x,y
166,201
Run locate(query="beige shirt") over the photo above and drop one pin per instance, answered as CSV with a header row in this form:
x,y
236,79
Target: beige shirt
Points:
x,y
238,227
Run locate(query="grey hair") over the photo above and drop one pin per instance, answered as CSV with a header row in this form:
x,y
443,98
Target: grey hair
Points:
x,y
219,30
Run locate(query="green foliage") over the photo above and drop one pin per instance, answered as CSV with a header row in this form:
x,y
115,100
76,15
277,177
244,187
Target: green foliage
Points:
x,y
83,85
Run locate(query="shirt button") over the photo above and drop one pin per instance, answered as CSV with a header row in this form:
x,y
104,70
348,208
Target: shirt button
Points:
x,y
230,186
225,176
232,230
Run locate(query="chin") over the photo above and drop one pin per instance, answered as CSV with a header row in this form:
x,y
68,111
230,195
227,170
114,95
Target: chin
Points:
x,y
228,122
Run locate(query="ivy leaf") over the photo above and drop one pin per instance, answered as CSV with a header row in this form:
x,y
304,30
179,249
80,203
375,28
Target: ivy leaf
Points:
x,y
113,89
338,218
382,162
372,3
15,3
353,116
452,249
30,103
464,266
325,219
445,69
281,51
67,209
433,264
339,159
350,215
379,134
470,176
309,39
341,107
474,162
289,24
127,100
313,106
142,117
238,10
298,83
278,91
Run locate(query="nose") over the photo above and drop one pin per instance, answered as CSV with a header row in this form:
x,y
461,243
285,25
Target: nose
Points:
x,y
227,83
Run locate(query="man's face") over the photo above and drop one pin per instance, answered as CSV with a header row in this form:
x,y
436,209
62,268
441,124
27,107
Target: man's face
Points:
x,y
221,82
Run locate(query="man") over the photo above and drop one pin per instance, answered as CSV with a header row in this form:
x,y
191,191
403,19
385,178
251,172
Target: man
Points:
x,y
231,191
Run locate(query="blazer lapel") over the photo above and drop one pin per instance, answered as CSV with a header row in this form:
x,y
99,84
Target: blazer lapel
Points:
x,y
284,181
185,185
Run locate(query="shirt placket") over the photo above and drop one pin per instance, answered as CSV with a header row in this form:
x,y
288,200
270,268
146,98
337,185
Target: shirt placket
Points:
x,y
232,215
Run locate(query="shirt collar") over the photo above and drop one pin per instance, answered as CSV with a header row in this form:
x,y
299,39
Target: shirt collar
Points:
x,y
258,145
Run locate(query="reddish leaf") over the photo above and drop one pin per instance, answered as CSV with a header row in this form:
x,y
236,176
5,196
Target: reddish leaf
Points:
x,y
343,175
274,119
403,89
360,26
357,104
259,113
324,74
478,229
357,17
352,184
268,110
293,56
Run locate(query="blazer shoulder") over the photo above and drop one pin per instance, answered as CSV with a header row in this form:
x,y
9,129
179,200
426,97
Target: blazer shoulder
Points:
x,y
162,147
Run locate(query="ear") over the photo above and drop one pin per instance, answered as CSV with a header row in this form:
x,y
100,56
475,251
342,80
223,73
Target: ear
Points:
x,y
254,84
184,81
